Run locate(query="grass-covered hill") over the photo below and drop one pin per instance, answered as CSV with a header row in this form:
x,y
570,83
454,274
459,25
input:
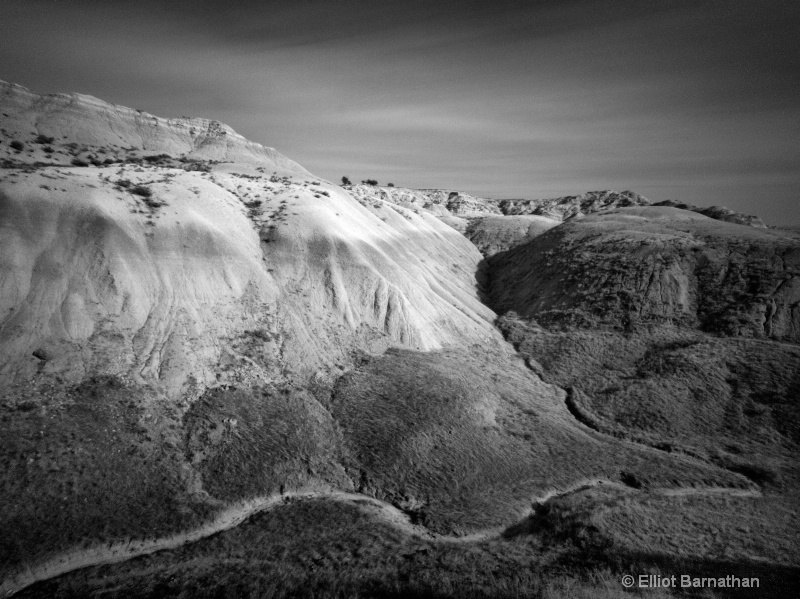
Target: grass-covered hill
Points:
x,y
679,332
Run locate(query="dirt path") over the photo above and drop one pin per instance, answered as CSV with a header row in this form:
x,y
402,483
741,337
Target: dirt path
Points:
x,y
226,519
234,515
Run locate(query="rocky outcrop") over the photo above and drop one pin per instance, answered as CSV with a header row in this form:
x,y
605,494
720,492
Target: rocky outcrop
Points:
x,y
495,234
437,201
62,128
481,219
146,269
647,265
569,206
718,213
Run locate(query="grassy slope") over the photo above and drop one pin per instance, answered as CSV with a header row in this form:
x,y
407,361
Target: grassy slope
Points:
x,y
465,439
80,467
320,548
326,549
641,370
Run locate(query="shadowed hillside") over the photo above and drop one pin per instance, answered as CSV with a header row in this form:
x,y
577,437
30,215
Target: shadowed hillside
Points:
x,y
637,266
678,332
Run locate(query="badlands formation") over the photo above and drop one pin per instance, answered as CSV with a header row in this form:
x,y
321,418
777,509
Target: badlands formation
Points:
x,y
195,329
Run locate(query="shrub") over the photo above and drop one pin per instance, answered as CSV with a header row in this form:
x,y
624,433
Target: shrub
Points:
x,y
261,334
346,181
79,162
369,182
43,139
17,145
191,164
390,185
141,190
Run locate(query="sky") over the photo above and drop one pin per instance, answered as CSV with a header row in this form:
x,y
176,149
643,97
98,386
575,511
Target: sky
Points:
x,y
696,101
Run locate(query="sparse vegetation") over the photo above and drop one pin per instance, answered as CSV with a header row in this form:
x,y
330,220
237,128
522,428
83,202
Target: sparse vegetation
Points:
x,y
17,145
141,190
328,550
95,473
157,158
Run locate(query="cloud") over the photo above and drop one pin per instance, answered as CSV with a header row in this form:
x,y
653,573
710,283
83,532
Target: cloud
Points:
x,y
689,100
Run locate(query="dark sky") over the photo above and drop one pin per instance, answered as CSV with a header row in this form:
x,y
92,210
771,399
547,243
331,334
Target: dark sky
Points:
x,y
696,101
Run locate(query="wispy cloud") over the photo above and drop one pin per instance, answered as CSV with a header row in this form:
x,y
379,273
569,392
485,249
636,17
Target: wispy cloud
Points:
x,y
692,100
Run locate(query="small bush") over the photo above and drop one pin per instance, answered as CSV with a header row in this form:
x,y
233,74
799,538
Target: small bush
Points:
x,y
346,181
43,139
17,145
369,182
141,190
79,162
261,334
191,164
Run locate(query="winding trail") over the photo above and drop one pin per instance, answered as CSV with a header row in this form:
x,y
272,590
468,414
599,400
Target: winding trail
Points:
x,y
236,514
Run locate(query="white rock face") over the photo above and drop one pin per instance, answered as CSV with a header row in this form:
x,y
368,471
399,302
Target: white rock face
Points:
x,y
441,202
172,288
87,121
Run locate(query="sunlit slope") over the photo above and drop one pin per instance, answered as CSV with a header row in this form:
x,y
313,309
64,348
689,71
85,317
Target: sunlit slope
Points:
x,y
98,279
85,126
161,242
